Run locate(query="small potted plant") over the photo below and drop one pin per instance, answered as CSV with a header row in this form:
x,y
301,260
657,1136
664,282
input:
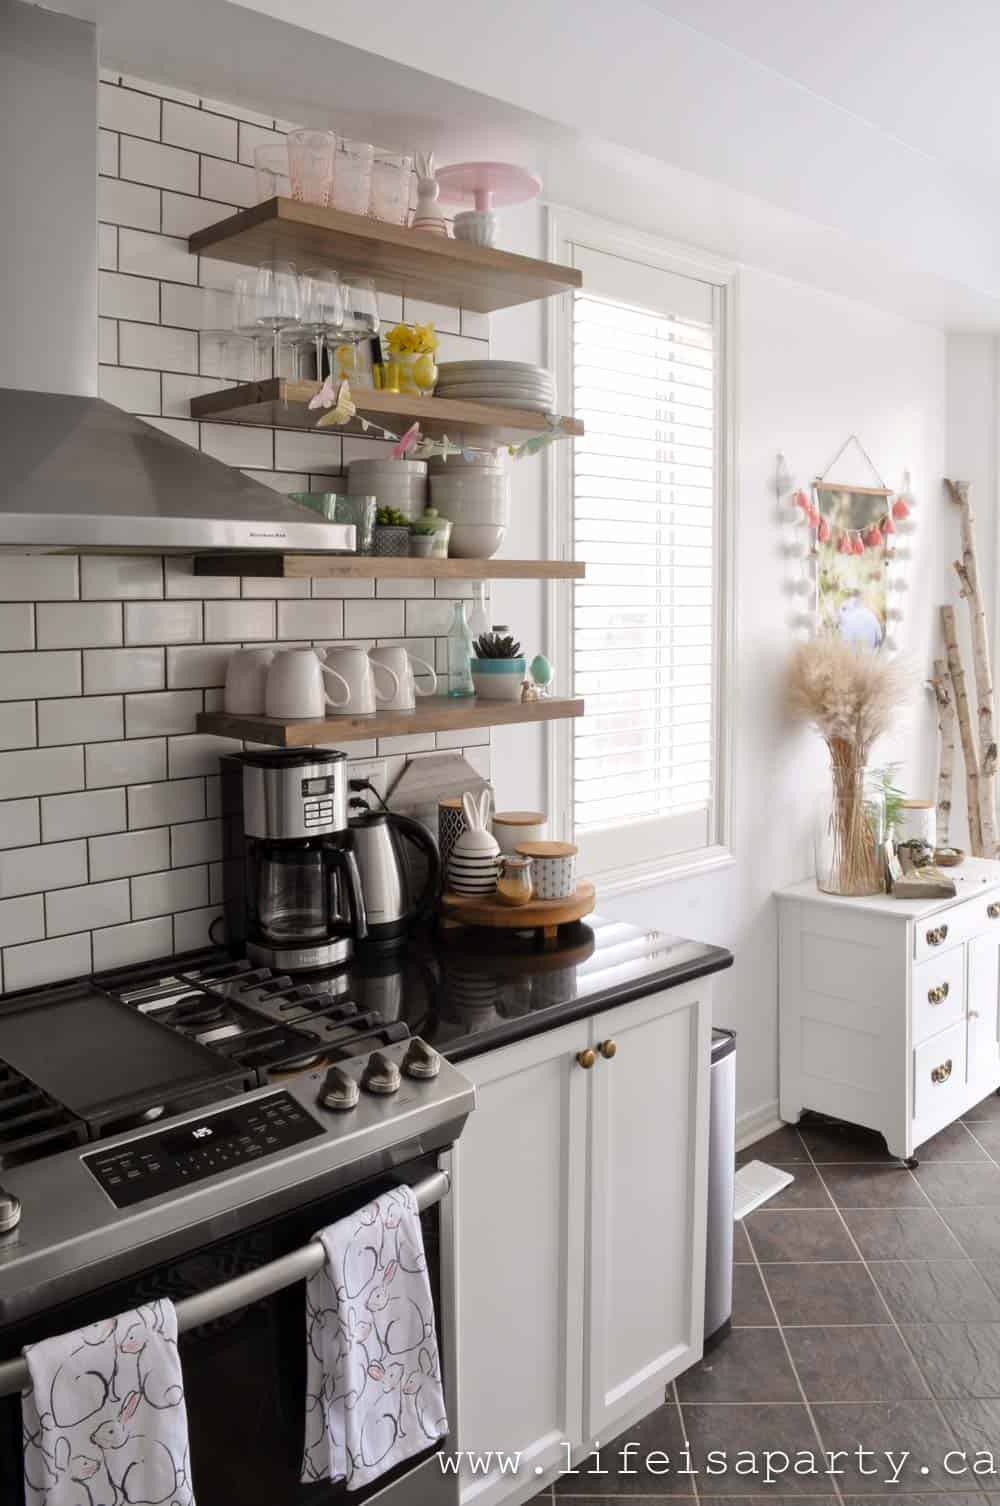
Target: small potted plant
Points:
x,y
391,533
411,366
498,666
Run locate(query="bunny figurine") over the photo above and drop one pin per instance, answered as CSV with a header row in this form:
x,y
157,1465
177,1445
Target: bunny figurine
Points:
x,y
427,216
472,867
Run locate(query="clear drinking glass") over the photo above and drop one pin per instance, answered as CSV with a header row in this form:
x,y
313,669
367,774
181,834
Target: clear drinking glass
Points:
x,y
271,164
361,324
278,302
310,165
352,176
390,194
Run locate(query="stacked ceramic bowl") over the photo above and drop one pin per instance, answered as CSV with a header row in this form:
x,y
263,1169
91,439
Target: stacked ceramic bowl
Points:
x,y
473,491
507,384
401,484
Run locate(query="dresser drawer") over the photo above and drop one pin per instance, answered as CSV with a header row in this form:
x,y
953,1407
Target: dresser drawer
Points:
x,y
938,993
951,927
939,1074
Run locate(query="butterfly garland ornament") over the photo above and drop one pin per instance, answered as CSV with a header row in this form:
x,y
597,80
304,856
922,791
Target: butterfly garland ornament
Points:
x,y
342,408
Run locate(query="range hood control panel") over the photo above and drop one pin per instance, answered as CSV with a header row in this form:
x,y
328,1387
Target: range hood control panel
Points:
x,y
147,1167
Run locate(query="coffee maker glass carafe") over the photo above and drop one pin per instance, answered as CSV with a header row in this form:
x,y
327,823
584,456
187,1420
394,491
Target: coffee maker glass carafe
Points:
x,y
298,892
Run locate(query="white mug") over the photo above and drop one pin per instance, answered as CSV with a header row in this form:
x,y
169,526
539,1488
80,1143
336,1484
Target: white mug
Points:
x,y
400,661
295,686
246,681
357,673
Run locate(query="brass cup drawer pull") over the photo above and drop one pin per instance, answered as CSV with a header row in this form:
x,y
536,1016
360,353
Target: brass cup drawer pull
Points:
x,y
586,1059
608,1049
993,910
937,935
941,1074
939,994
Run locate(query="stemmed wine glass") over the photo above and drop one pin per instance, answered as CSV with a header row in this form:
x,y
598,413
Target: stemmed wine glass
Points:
x,y
322,308
245,321
278,302
361,315
217,324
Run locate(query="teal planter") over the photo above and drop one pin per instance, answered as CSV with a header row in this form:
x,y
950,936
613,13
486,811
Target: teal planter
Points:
x,y
498,679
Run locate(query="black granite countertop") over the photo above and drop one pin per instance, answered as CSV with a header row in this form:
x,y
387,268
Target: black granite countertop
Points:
x,y
479,990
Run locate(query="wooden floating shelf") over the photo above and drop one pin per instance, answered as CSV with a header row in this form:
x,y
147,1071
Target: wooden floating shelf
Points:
x,y
438,713
410,262
277,404
374,567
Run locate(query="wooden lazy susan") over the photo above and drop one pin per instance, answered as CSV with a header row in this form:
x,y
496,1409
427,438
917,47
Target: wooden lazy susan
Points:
x,y
545,915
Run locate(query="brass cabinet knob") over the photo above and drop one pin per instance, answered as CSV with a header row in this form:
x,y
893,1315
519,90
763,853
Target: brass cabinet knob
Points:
x,y
939,994
937,935
586,1058
941,1074
993,911
608,1049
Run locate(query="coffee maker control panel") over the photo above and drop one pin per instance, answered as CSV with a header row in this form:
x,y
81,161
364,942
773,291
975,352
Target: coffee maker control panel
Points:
x,y
317,797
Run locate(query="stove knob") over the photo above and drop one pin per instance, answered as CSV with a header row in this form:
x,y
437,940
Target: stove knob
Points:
x,y
339,1091
10,1211
381,1075
421,1060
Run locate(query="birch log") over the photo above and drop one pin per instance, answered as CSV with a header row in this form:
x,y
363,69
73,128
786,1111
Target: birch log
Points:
x,y
967,570
969,752
946,759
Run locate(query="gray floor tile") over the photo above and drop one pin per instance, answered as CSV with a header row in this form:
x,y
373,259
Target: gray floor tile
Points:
x,y
985,1133
932,1498
751,1308
961,1186
778,1149
936,1291
832,1143
954,1143
814,1235
958,1359
806,1191
742,1253
854,1364
987,1108
976,1425
868,1186
729,1430
902,1234
750,1365
977,1230
914,1426
613,1474
824,1293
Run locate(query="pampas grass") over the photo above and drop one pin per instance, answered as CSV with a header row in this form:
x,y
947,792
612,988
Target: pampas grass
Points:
x,y
849,695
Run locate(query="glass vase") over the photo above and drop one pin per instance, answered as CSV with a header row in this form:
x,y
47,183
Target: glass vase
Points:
x,y
850,832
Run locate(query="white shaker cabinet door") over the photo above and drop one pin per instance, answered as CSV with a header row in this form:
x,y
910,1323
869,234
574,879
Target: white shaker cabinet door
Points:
x,y
649,1144
983,997
519,1204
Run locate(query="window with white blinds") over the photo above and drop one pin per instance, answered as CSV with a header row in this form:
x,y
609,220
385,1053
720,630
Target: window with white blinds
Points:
x,y
645,355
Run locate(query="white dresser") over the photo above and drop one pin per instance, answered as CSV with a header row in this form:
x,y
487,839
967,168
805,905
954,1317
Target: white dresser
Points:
x,y
890,1009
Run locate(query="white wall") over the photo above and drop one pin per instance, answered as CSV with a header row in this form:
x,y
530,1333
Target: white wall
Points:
x,y
811,369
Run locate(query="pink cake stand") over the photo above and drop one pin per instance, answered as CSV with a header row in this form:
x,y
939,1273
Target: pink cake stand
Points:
x,y
490,185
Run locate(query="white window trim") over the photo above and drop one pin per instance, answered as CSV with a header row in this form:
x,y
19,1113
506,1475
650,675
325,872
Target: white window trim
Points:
x,y
566,226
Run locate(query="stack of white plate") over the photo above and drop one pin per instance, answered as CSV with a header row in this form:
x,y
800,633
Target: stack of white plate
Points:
x,y
509,384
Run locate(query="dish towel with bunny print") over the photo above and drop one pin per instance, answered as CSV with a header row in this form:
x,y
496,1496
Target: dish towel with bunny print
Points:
x,y
104,1420
373,1380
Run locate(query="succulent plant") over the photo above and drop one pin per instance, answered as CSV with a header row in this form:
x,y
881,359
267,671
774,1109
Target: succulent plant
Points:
x,y
391,517
497,646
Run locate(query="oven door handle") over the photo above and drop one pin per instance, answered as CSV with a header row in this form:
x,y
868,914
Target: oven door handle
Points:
x,y
242,1291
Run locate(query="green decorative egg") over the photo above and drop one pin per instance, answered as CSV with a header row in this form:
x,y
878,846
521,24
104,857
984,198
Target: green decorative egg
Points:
x,y
541,670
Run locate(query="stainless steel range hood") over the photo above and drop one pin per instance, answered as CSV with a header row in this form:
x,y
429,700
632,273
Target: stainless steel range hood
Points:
x,y
81,474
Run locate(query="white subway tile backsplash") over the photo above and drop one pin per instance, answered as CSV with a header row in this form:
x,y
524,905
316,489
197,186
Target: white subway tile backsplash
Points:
x,y
310,619
20,823
239,112
107,341
239,621
183,214
38,675
193,929
17,626
107,153
428,619
39,577
189,668
41,771
22,919
213,795
132,852
177,429
195,842
78,624
228,181
199,130
181,580
260,586
107,247
165,803
88,815
87,906
131,204
187,308
17,725
125,110
198,754
444,320
412,742
81,719
122,669
112,576
142,941
122,297
319,454
157,347
156,256
134,762
135,391
395,589
476,325
342,589
32,870
165,893
42,962
162,91
373,619
158,166
253,136
161,712
238,445
163,622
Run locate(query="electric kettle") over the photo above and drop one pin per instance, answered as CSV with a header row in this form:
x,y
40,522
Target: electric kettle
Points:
x,y
387,884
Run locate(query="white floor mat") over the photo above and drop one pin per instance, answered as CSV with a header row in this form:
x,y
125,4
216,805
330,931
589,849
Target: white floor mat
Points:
x,y
755,1183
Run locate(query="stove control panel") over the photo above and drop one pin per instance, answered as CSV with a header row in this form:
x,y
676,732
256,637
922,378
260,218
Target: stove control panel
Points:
x,y
146,1167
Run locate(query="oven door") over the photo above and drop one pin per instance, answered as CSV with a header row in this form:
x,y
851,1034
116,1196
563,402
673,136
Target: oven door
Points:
x,y
244,1368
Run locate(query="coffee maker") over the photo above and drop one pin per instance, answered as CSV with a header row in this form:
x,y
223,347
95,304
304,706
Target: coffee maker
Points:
x,y
291,890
